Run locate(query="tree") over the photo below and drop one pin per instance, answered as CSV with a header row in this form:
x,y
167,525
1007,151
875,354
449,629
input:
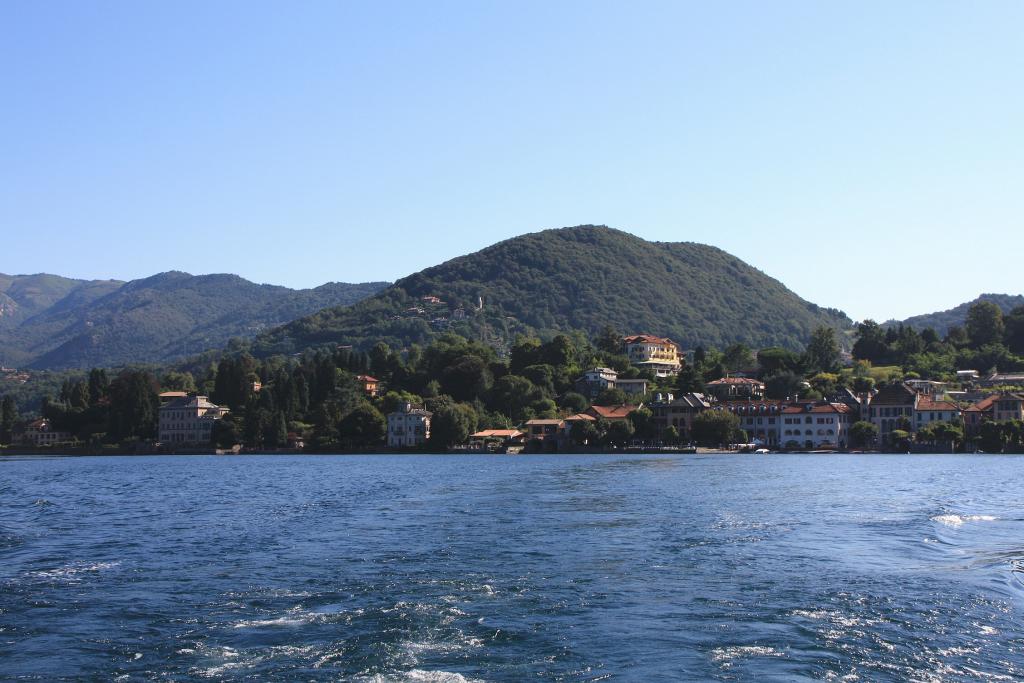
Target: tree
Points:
x,y
452,424
985,324
224,432
644,426
863,434
871,344
688,381
775,360
99,385
991,437
363,427
573,402
609,340
275,432
584,432
671,435
715,428
467,379
619,433
511,395
822,353
8,416
737,357
133,406
179,381
611,397
1014,335
785,385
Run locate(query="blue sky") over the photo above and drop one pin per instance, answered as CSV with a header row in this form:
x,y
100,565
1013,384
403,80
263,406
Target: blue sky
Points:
x,y
870,155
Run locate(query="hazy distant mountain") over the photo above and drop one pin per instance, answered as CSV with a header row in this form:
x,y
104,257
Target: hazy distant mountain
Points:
x,y
47,321
943,320
581,278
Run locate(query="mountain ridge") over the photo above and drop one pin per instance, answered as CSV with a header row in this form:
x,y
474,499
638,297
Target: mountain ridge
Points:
x,y
51,322
941,321
579,278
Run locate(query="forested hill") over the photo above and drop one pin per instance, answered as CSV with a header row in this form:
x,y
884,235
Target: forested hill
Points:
x,y
943,320
50,322
583,278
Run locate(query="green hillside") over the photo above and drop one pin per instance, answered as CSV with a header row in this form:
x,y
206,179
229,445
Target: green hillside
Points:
x,y
581,278
943,320
52,322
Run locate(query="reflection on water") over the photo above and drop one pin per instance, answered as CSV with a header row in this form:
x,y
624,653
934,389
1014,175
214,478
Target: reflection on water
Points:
x,y
477,568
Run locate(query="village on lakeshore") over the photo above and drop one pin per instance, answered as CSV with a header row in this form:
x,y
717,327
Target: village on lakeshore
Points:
x,y
569,394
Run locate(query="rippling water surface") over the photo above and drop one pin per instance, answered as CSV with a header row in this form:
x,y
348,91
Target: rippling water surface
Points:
x,y
464,568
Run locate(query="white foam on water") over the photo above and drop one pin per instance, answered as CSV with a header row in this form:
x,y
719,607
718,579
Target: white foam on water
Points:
x,y
957,521
73,570
421,676
726,655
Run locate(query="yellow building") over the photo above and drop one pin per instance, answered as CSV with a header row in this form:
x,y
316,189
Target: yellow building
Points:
x,y
654,353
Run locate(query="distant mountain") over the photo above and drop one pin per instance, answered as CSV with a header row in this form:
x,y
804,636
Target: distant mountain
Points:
x,y
581,278
51,322
943,320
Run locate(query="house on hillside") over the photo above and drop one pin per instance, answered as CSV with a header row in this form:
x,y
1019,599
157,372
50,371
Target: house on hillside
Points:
x,y
408,427
611,413
188,420
732,388
999,379
1008,407
596,380
657,354
369,385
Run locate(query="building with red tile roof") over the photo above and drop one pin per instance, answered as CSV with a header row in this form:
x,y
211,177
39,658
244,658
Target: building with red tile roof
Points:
x,y
729,388
657,354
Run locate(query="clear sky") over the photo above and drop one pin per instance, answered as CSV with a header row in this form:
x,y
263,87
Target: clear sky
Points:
x,y
868,154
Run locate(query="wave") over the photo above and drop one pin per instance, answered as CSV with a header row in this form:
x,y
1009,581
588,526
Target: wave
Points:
x,y
957,521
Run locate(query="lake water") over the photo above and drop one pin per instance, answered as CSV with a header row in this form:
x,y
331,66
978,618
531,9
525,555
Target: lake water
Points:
x,y
497,568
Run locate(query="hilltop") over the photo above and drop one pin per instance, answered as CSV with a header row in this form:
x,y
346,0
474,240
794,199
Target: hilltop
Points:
x,y
582,278
52,322
941,321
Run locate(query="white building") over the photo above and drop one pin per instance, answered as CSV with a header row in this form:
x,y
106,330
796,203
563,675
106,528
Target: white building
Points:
x,y
189,420
41,433
817,425
408,427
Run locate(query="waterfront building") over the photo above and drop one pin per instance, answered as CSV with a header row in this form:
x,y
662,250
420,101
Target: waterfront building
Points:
x,y
677,411
657,354
408,427
978,412
541,429
188,420
760,419
935,409
816,425
892,408
42,433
